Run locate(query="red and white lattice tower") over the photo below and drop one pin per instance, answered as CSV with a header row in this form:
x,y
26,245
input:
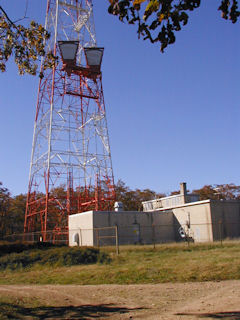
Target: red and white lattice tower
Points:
x,y
71,168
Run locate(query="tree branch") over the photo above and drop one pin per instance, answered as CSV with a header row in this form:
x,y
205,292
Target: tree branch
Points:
x,y
7,17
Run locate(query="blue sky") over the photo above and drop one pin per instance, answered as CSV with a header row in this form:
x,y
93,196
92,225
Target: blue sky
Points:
x,y
172,117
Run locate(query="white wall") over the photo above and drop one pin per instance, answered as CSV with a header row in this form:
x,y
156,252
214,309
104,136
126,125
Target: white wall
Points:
x,y
81,224
199,215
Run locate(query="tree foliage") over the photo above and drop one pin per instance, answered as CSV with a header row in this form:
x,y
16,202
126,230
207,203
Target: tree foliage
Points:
x,y
219,191
25,44
4,208
158,20
17,213
12,209
12,212
132,199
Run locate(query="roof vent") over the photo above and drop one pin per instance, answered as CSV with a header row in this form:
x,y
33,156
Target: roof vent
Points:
x,y
118,206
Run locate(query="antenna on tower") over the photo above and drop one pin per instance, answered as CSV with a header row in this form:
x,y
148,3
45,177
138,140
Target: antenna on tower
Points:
x,y
71,167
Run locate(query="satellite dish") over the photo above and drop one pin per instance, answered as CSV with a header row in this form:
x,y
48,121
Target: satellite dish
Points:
x,y
182,232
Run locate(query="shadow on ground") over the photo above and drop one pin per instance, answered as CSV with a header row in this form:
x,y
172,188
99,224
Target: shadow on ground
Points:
x,y
232,315
10,311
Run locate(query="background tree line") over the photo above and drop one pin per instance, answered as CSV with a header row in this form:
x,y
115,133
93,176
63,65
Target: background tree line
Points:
x,y
12,208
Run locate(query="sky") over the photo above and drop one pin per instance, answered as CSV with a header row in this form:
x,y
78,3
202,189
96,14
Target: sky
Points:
x,y
172,117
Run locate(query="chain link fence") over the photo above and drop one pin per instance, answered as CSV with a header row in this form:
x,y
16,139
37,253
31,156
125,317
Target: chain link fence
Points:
x,y
49,236
135,234
155,234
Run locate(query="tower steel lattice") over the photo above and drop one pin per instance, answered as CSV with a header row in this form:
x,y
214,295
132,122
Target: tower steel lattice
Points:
x,y
71,168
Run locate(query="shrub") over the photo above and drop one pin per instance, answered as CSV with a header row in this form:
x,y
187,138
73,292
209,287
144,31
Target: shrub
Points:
x,y
64,256
103,257
17,247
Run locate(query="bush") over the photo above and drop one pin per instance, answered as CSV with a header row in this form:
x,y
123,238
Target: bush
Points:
x,y
64,256
17,247
103,257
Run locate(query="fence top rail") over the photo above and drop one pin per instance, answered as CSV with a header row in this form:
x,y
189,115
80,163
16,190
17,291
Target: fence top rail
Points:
x,y
107,237
103,228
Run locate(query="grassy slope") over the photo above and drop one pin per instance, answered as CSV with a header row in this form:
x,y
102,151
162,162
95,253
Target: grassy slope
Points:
x,y
142,264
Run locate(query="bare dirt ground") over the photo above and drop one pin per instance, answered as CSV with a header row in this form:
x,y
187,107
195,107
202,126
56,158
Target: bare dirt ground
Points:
x,y
206,300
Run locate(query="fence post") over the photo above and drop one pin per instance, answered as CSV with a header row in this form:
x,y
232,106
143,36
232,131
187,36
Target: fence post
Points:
x,y
97,238
117,243
220,230
188,234
80,237
154,238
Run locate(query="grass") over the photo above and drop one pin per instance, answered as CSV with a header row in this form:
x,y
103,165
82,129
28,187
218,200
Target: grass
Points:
x,y
140,264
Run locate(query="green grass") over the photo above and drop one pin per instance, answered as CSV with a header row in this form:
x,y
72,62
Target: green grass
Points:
x,y
141,264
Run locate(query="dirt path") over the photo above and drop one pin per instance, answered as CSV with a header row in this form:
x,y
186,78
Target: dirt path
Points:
x,y
206,300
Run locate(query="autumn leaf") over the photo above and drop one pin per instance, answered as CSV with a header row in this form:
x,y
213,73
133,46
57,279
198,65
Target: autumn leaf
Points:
x,y
161,17
137,2
153,6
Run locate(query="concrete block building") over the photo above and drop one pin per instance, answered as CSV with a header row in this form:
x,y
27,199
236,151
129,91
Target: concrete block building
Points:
x,y
90,228
202,221
166,219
